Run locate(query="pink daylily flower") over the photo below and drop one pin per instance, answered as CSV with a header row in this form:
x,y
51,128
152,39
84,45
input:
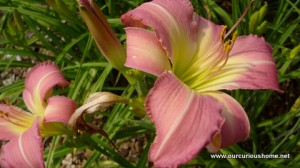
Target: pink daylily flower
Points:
x,y
22,129
193,62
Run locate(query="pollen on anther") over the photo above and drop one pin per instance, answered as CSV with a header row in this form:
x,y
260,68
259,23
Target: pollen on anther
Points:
x,y
4,114
222,34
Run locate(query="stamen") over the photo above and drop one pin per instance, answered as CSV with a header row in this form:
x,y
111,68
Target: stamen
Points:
x,y
5,101
14,118
4,115
222,37
240,19
223,55
227,47
229,43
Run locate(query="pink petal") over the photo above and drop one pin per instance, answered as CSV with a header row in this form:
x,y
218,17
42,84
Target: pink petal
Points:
x,y
24,151
236,127
185,121
144,52
39,83
29,101
13,121
258,53
59,109
171,20
250,66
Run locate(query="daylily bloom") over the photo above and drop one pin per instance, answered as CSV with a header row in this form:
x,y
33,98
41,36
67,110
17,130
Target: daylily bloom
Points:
x,y
104,36
193,62
24,130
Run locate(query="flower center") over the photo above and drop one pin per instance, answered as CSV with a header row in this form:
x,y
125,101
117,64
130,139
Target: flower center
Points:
x,y
17,120
202,71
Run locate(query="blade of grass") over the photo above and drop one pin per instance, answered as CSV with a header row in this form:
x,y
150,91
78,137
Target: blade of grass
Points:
x,y
68,47
53,145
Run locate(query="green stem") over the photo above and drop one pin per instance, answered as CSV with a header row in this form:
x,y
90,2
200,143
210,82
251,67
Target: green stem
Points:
x,y
53,146
136,78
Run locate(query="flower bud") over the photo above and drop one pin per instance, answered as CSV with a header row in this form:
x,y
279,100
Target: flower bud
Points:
x,y
102,33
295,51
262,27
257,18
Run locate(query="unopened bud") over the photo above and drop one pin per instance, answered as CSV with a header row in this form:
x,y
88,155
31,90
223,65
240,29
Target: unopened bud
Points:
x,y
257,18
262,28
295,51
104,36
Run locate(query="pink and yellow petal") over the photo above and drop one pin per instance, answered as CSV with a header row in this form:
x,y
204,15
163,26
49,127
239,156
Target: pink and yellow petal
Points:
x,y
236,127
39,83
26,150
250,67
59,109
13,121
172,22
144,52
208,53
208,35
185,121
189,40
29,101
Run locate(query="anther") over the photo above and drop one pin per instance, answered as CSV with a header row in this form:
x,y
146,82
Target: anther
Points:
x,y
4,115
229,43
6,101
222,34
